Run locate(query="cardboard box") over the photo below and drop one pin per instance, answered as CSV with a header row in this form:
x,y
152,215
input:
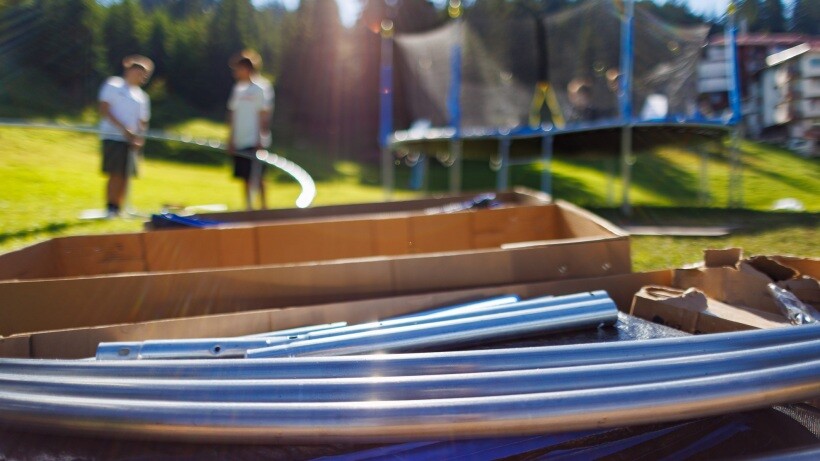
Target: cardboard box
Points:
x,y
82,342
67,282
515,197
693,312
299,241
729,278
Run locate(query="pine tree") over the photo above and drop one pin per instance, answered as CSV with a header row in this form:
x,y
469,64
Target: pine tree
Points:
x,y
121,33
748,11
772,18
806,17
231,29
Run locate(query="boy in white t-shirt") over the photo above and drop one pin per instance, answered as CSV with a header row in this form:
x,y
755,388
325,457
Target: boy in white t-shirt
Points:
x,y
249,111
125,110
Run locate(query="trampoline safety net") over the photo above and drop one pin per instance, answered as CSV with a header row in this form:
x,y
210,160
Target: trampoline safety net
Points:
x,y
532,70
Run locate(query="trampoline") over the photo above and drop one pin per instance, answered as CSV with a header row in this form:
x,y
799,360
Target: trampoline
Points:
x,y
604,78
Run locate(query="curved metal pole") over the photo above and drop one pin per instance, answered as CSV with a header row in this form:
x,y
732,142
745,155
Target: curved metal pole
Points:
x,y
417,387
293,170
419,363
387,421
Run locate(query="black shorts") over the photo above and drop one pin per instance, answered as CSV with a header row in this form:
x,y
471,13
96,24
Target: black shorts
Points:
x,y
242,165
117,158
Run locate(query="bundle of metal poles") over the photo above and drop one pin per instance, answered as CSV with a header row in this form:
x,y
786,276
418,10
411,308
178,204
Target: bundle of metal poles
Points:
x,y
487,320
418,396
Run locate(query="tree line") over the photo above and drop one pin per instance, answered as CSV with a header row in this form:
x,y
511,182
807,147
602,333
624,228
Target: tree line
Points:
x,y
325,75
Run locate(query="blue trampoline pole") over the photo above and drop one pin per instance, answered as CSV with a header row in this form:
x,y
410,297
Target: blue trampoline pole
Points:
x,y
454,97
625,100
386,105
733,79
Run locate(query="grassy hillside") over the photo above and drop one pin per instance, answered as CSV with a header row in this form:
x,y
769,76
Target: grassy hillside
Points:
x,y
49,177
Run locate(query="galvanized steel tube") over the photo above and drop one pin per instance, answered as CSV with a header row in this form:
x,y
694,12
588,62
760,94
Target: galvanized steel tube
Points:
x,y
212,348
459,331
463,307
462,312
419,363
388,421
417,387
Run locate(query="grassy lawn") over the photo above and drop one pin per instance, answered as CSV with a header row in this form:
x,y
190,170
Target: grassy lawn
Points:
x,y
49,177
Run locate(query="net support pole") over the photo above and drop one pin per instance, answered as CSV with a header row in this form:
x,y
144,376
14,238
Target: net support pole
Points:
x,y
503,176
386,106
625,100
455,169
388,173
734,90
703,195
546,164
454,99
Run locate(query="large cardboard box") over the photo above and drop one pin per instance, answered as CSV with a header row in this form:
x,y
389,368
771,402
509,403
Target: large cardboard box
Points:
x,y
298,241
82,342
80,281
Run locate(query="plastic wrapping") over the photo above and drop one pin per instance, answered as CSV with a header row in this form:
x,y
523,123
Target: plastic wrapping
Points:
x,y
798,312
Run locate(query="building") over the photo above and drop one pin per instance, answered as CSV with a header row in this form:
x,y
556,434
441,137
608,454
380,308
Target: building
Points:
x,y
779,95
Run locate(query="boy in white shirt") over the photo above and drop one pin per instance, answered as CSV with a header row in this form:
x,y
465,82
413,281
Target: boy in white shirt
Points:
x,y
125,110
249,111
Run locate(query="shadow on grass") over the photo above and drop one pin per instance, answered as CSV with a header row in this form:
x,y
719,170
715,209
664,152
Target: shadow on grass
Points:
x,y
48,229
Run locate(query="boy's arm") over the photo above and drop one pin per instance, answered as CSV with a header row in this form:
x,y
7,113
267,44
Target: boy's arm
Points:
x,y
231,147
105,111
264,128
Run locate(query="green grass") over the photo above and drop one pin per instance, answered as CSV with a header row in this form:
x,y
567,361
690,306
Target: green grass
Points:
x,y
49,177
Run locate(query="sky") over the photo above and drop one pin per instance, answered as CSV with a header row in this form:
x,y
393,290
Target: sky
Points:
x,y
349,9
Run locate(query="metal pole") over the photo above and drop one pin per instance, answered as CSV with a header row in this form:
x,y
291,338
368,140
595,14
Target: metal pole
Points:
x,y
455,169
625,99
454,97
386,103
704,196
502,181
734,93
546,164
391,420
735,169
461,385
627,160
388,173
470,330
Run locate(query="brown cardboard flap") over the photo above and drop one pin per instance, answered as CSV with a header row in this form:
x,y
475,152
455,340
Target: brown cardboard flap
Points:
x,y
727,257
33,262
806,266
100,254
744,286
438,233
182,249
16,346
578,222
391,236
692,311
302,242
237,247
771,267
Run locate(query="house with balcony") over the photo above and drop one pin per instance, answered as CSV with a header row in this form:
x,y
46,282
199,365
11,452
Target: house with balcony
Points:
x,y
778,85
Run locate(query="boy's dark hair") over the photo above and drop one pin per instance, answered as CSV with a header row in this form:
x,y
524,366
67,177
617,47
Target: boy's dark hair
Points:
x,y
138,61
248,59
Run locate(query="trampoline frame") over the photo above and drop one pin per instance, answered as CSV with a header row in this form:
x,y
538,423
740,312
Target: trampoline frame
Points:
x,y
456,136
